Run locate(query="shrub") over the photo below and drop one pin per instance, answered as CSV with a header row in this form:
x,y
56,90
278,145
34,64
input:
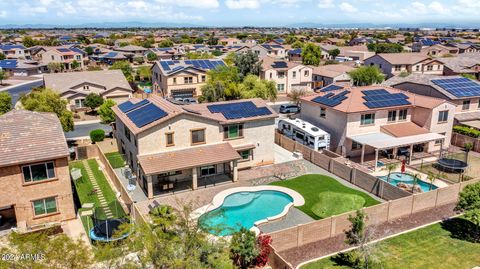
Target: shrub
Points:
x,y
97,135
466,131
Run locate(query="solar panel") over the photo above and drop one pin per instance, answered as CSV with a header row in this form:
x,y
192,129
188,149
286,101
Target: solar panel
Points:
x,y
129,106
63,50
382,98
331,99
176,69
148,114
165,66
239,110
459,87
279,65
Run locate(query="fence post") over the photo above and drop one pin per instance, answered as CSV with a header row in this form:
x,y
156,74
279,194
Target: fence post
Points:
x,y
388,210
333,224
413,202
298,235
353,175
436,198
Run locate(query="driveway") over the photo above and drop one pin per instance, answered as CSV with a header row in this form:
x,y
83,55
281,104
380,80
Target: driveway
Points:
x,y
82,130
24,88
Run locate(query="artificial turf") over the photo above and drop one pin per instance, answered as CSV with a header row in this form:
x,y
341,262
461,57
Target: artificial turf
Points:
x,y
335,203
115,159
310,186
436,246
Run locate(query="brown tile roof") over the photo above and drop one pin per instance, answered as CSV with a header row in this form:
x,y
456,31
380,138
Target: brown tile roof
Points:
x,y
196,110
267,63
331,70
403,129
403,58
27,137
187,158
355,102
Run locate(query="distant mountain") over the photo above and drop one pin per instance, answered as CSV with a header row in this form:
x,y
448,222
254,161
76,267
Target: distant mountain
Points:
x,y
383,25
102,25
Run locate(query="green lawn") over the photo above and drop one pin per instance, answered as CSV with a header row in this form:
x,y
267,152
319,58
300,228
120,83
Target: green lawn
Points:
x,y
84,189
435,246
317,188
115,159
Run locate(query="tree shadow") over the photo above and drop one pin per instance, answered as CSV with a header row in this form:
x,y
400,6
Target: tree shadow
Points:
x,y
462,229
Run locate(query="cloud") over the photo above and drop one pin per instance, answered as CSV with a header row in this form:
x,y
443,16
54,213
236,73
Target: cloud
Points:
x,y
325,4
347,7
3,14
438,8
242,4
137,4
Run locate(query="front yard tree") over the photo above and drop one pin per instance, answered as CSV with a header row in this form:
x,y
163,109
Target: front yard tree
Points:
x,y
5,102
75,65
46,100
248,63
105,111
366,75
55,67
243,248
151,56
93,101
253,87
311,54
334,53
469,204
3,76
126,69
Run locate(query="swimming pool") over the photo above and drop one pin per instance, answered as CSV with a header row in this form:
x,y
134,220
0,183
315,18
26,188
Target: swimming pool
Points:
x,y
244,209
407,179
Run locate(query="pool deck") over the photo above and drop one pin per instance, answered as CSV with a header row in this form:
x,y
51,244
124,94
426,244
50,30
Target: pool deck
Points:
x,y
293,218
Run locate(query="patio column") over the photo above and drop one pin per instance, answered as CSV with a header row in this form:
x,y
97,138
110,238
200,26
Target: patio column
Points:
x,y
411,154
363,154
376,159
194,178
235,171
441,149
149,187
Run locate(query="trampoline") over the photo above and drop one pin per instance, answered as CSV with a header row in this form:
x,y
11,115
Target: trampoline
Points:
x,y
104,230
452,164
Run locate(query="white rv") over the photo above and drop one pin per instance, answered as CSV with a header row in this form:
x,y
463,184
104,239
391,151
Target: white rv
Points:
x,y
305,133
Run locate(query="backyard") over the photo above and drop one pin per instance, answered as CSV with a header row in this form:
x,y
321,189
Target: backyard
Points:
x,y
115,159
473,171
325,196
87,193
436,246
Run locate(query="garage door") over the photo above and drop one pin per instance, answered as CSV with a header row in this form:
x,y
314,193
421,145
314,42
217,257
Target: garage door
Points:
x,y
183,94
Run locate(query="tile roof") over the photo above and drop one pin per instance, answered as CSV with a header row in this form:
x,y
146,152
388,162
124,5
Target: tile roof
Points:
x,y
332,70
187,158
27,136
195,110
403,58
355,102
403,129
462,62
171,67
274,63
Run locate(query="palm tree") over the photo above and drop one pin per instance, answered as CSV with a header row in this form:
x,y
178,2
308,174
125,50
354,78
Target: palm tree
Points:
x,y
468,147
431,178
415,182
390,167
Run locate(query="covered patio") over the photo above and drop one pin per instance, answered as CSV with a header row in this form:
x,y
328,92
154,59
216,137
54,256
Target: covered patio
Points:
x,y
387,147
188,169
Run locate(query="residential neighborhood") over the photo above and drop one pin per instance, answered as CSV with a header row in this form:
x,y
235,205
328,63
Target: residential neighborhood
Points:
x,y
182,145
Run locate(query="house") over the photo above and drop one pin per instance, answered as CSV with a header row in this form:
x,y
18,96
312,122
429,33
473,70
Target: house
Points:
x,y
110,57
334,41
357,53
180,147
422,43
230,41
288,76
131,49
75,86
174,53
465,47
360,41
264,50
439,50
393,64
465,63
366,123
15,51
64,55
22,68
181,78
36,191
333,73
295,55
462,92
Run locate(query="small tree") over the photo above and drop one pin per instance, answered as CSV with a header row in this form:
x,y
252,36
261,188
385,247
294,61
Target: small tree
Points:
x,y
3,76
163,217
5,102
89,50
93,100
97,135
243,248
248,63
468,147
55,67
390,167
152,57
415,181
334,53
296,94
356,234
125,67
105,111
311,54
263,243
75,65
469,204
366,75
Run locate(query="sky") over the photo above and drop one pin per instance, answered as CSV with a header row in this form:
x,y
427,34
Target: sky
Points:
x,y
239,12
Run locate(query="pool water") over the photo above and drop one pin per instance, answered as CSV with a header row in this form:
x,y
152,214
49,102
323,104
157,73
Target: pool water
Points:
x,y
243,209
407,179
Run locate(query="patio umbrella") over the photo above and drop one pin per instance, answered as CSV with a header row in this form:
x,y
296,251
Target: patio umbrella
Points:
x,y
403,167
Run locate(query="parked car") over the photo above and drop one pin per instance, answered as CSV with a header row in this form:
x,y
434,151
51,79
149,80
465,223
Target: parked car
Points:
x,y
289,108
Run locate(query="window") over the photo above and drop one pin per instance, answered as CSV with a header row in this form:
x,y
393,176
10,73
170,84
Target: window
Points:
x,y
233,131
440,141
466,105
53,58
294,74
402,114
306,73
127,133
443,116
356,145
398,67
169,139
323,112
417,68
392,115
78,57
281,74
204,78
79,103
271,74
86,87
281,87
174,80
429,67
45,206
478,103
37,172
245,154
367,119
198,136
188,80
208,170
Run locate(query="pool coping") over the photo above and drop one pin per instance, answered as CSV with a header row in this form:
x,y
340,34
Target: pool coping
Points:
x,y
219,198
